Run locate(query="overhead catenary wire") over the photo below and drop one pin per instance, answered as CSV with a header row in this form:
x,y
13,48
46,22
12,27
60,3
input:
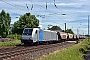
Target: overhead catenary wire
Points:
x,y
28,7
32,7
55,4
19,7
26,4
16,13
46,5
47,9
15,6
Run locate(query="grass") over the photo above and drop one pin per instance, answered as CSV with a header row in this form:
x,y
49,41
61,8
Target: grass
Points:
x,y
11,43
75,52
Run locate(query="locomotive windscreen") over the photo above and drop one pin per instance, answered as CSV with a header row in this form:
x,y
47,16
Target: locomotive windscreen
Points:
x,y
27,32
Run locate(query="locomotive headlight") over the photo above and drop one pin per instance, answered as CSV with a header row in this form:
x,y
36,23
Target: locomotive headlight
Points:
x,y
22,37
30,38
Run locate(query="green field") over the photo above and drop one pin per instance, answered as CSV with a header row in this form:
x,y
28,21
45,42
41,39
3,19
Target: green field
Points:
x,y
75,52
11,43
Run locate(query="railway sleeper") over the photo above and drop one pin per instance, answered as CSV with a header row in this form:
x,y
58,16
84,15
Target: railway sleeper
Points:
x,y
17,54
8,54
21,53
12,55
23,49
25,52
18,51
5,57
2,57
31,51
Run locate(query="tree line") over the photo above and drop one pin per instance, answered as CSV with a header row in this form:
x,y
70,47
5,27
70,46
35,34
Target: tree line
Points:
x,y
58,28
5,21
25,21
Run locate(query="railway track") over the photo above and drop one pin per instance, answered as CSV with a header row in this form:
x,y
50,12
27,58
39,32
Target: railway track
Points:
x,y
21,51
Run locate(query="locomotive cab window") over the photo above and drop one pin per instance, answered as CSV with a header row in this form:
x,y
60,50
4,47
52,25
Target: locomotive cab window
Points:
x,y
36,32
27,32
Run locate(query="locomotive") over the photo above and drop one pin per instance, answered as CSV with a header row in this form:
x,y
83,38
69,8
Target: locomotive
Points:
x,y
33,35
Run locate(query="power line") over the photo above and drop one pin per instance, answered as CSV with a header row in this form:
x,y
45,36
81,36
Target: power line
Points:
x,y
16,13
27,7
46,5
16,6
46,9
31,7
13,13
55,4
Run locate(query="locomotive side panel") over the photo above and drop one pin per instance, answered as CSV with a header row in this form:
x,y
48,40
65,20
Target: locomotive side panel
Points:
x,y
49,35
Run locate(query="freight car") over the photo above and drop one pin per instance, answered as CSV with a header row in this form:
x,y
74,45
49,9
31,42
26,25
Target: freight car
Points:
x,y
62,36
75,37
71,36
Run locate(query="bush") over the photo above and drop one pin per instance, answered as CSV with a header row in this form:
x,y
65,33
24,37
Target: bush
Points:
x,y
82,50
14,36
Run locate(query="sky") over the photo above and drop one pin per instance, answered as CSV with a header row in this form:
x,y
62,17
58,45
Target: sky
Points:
x,y
50,12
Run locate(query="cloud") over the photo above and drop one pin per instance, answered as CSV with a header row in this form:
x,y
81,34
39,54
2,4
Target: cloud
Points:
x,y
66,4
76,11
82,11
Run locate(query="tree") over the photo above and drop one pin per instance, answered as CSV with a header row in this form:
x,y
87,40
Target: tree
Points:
x,y
69,31
5,21
55,28
25,21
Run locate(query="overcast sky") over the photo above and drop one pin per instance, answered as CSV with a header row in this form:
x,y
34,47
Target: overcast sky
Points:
x,y
76,11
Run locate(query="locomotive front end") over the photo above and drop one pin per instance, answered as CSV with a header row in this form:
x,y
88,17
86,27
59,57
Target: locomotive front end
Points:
x,y
27,35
